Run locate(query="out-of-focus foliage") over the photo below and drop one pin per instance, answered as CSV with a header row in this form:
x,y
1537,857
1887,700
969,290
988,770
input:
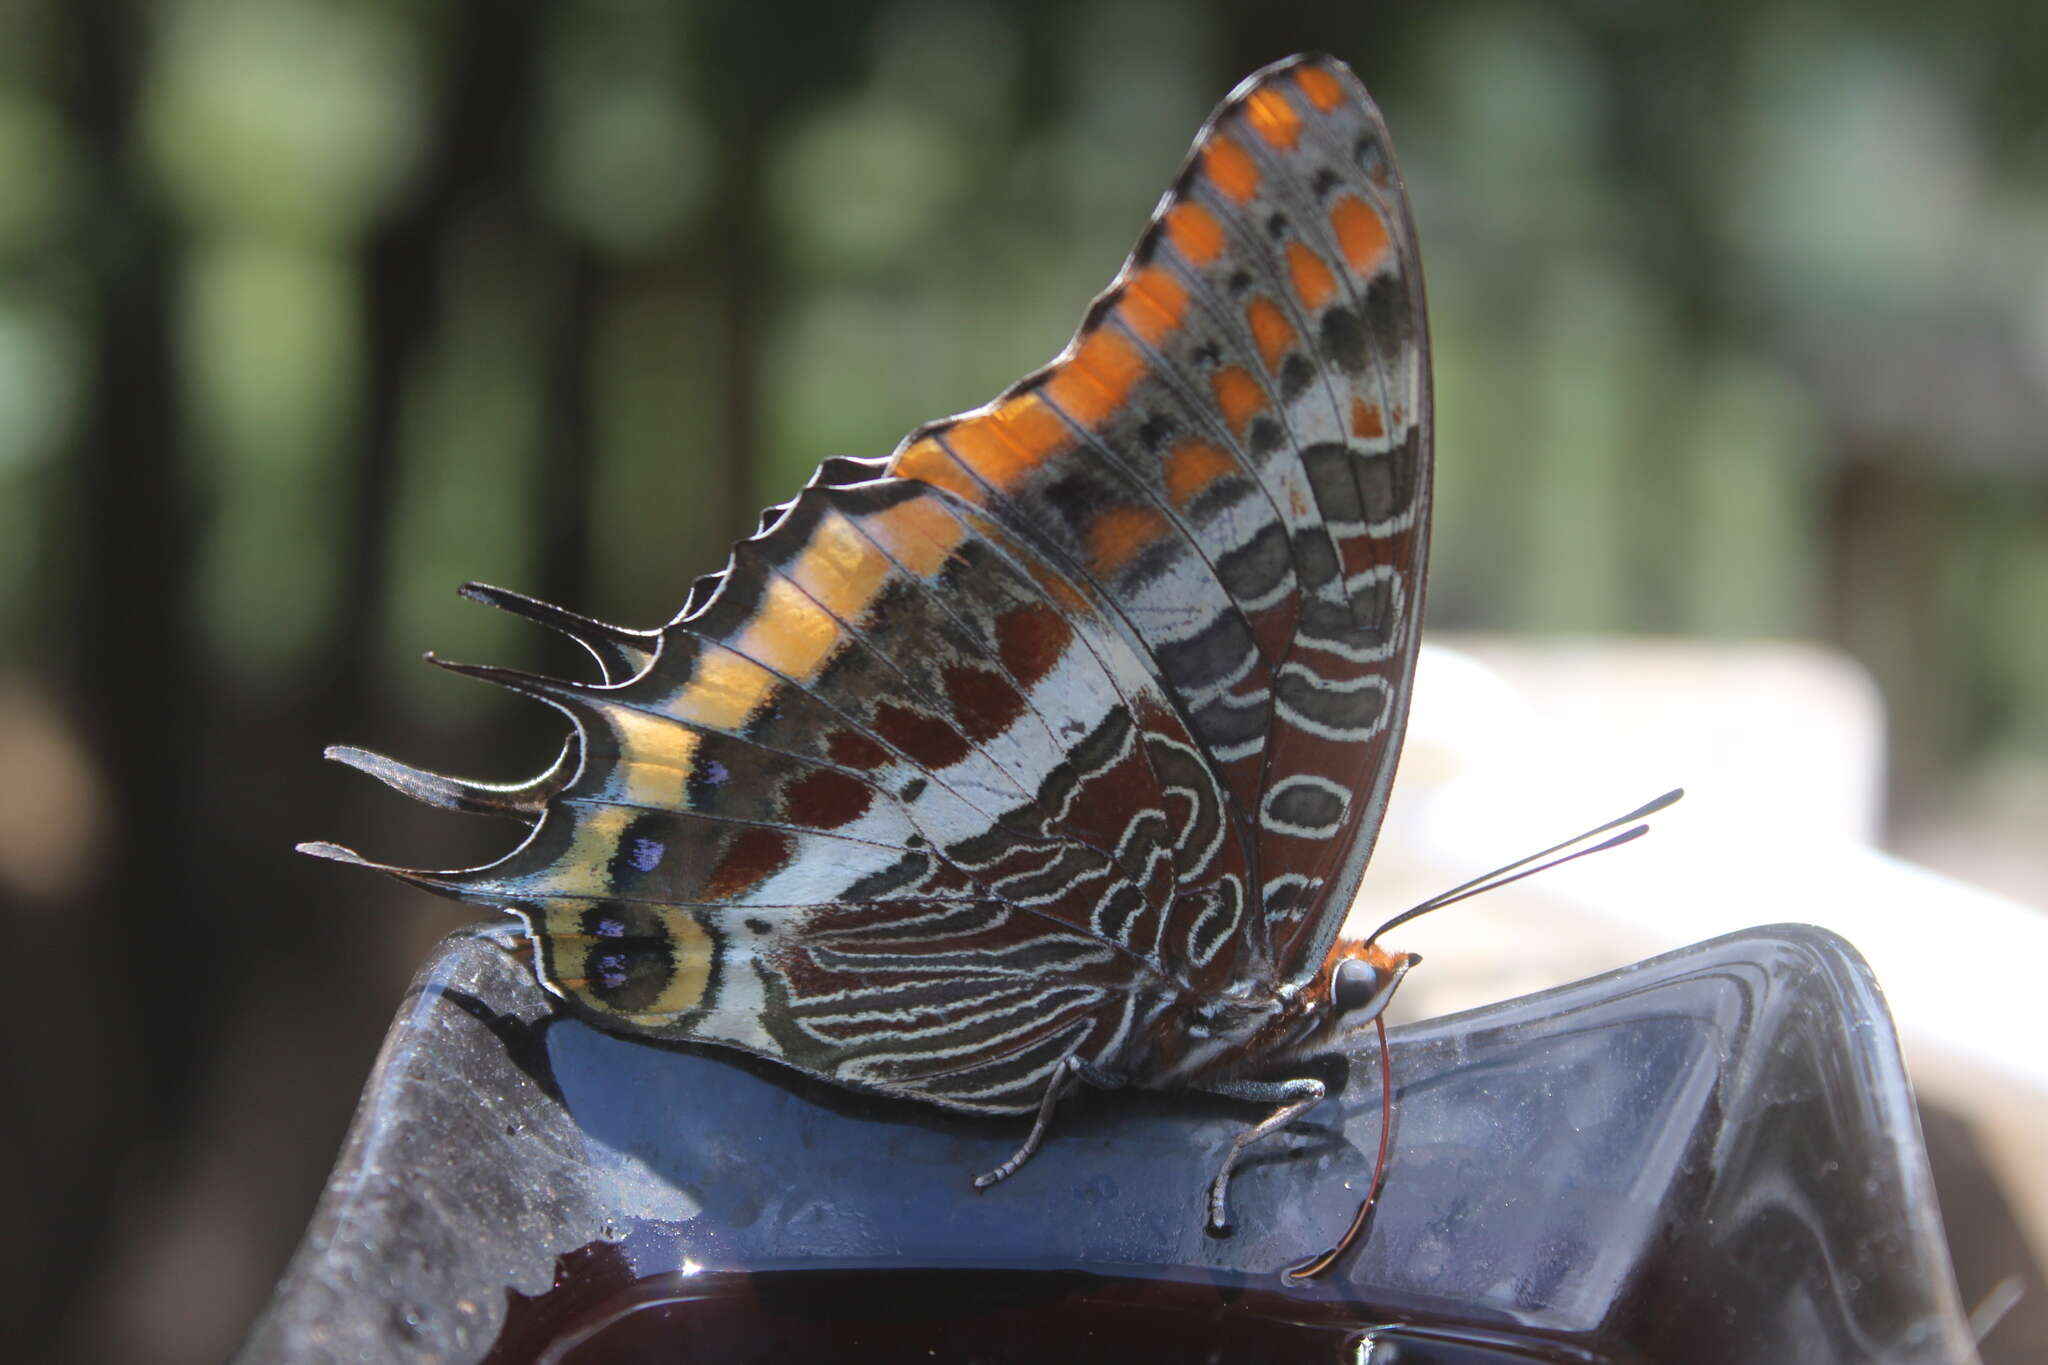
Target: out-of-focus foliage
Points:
x,y
312,309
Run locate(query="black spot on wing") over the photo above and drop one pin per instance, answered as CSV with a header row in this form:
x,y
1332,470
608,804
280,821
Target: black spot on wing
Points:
x,y
1343,339
1329,477
1351,714
1362,623
1205,659
1388,482
1296,374
642,848
1256,568
1315,560
1304,807
629,975
901,875
1371,158
1388,315
1077,496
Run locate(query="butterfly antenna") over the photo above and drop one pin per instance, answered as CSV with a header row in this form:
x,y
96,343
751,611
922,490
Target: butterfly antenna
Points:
x,y
1520,868
1499,877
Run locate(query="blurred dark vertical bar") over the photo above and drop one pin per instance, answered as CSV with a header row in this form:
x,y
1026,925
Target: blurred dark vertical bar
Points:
x,y
130,511
478,142
757,79
1668,76
745,284
136,658
1895,534
563,512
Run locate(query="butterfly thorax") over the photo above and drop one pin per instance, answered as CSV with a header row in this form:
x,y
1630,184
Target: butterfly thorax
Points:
x,y
1200,1038
1205,1039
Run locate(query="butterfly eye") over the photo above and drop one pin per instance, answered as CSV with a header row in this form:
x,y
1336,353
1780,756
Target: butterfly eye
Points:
x,y
1357,982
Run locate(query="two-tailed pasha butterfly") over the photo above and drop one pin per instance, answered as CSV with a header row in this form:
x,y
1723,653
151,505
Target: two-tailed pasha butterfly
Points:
x,y
1052,747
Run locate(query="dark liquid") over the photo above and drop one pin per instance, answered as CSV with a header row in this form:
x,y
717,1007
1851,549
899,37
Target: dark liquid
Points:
x,y
597,1314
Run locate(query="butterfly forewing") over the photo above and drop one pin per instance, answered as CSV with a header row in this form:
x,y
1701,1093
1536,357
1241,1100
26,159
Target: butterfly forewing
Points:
x,y
1234,453
1078,708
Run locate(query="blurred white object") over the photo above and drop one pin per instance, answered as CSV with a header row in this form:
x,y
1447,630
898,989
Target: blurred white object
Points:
x,y
1514,744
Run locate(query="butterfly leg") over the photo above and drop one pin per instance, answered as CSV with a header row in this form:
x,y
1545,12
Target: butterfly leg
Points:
x,y
1295,1098
1070,1070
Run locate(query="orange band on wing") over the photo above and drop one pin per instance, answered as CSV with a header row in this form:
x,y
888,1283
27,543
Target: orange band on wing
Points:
x,y
1273,117
1194,232
1238,395
1230,168
1191,467
1271,331
1006,444
929,462
1314,285
1153,304
840,568
1324,91
1116,537
598,832
723,692
1365,420
919,534
789,633
1360,233
1096,379
655,759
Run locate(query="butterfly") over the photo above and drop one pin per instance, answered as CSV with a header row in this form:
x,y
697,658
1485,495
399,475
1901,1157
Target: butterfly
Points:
x,y
1051,748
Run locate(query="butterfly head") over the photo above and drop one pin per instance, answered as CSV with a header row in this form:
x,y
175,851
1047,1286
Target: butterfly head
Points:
x,y
1353,992
1363,980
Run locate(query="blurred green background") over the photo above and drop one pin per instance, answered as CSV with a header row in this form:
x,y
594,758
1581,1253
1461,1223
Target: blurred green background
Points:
x,y
310,311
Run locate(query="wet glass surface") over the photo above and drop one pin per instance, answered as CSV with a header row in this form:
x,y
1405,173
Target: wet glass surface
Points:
x,y
1709,1156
